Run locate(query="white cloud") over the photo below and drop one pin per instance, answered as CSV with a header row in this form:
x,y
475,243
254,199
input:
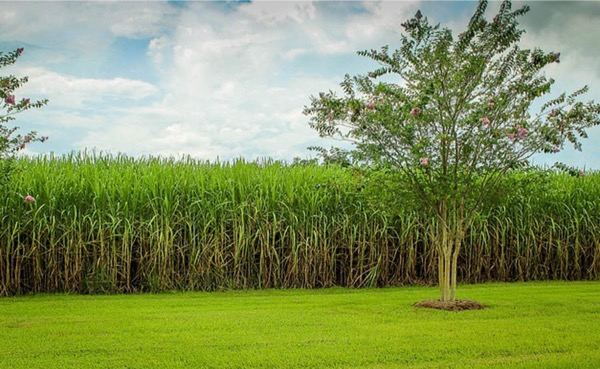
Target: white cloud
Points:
x,y
141,20
71,92
272,13
158,47
221,129
29,20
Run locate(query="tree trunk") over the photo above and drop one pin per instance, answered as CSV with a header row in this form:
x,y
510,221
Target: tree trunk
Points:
x,y
448,240
447,275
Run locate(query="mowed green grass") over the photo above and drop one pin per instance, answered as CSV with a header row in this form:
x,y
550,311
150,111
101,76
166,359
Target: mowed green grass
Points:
x,y
526,325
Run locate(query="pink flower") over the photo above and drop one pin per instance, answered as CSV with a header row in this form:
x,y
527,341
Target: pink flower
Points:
x,y
522,132
371,105
29,199
485,121
582,174
415,111
553,113
555,149
491,104
10,99
27,139
425,161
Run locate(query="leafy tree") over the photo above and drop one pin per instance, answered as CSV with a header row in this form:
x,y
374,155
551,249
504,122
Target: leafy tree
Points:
x,y
12,142
457,121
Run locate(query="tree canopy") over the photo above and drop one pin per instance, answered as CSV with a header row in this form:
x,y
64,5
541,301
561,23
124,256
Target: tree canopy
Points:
x,y
11,141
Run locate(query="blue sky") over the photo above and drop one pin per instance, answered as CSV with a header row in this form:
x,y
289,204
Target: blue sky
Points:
x,y
225,79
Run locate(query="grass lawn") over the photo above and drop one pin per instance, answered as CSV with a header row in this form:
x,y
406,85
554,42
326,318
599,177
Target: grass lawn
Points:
x,y
526,325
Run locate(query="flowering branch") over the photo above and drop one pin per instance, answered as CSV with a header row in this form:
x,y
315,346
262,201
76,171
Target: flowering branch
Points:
x,y
10,105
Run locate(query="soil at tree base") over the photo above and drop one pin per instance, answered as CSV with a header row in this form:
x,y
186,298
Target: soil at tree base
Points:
x,y
457,305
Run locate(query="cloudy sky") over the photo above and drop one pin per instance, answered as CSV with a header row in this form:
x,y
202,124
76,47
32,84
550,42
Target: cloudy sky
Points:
x,y
230,79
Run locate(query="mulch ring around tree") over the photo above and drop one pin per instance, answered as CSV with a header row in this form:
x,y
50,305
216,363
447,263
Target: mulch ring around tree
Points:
x,y
458,305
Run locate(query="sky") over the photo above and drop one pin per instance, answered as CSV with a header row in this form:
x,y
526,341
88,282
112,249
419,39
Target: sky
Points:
x,y
223,80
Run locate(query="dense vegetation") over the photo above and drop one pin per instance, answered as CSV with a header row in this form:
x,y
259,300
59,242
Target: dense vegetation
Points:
x,y
104,224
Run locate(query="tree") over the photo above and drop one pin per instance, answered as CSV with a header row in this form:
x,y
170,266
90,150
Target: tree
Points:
x,y
10,141
457,121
